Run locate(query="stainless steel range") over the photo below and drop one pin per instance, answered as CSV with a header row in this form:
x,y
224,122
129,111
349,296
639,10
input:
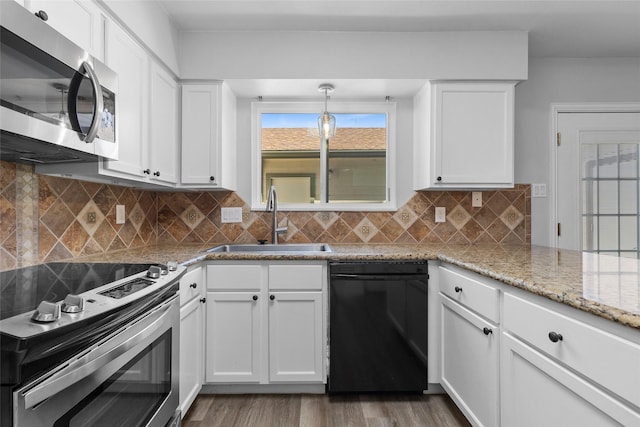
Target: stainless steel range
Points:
x,y
90,344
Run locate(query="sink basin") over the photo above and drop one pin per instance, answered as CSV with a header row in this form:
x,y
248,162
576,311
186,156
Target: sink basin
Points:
x,y
280,248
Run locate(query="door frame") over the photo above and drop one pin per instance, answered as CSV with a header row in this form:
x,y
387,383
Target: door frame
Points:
x,y
575,107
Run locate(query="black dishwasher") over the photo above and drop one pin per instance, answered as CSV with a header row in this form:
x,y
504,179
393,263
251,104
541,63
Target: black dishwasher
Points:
x,y
378,327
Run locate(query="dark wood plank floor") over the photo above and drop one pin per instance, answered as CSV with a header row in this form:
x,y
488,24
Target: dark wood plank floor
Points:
x,y
309,410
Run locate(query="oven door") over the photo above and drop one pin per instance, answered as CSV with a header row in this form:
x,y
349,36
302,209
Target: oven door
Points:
x,y
129,379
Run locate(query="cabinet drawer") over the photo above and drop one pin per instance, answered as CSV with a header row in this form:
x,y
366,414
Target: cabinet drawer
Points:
x,y
602,357
236,276
191,285
477,296
296,277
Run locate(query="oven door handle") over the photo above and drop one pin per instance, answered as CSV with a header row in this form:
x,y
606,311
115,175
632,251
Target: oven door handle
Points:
x,y
101,355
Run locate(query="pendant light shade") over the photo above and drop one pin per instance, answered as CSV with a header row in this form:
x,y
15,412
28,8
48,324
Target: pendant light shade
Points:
x,y
326,121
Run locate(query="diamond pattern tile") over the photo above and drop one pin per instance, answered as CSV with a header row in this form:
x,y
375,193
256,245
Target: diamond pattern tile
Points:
x,y
48,219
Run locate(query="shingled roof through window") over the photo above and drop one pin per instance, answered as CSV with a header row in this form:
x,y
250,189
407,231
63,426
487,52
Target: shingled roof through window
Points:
x,y
302,139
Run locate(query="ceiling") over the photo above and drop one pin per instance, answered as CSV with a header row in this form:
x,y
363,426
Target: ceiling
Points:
x,y
574,29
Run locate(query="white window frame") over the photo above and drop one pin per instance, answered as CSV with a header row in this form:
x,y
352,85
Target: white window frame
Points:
x,y
353,107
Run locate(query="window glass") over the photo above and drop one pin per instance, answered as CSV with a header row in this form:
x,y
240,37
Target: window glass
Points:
x,y
352,168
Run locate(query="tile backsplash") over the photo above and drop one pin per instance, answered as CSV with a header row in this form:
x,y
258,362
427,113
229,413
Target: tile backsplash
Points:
x,y
47,219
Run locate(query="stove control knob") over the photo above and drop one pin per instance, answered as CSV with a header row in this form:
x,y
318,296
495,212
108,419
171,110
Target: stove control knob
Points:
x,y
154,272
164,269
173,265
73,304
47,312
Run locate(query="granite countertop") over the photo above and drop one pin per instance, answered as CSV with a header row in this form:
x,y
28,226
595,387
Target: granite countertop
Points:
x,y
603,285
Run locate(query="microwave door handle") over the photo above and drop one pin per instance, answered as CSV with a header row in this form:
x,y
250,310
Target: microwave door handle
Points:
x,y
97,95
98,358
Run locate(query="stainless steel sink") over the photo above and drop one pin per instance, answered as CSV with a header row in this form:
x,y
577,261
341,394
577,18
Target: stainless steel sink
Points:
x,y
299,248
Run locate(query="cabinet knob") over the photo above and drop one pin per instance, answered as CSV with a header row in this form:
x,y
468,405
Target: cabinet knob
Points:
x,y
42,15
255,297
147,171
156,173
439,179
272,297
203,300
193,285
212,178
555,337
457,289
487,331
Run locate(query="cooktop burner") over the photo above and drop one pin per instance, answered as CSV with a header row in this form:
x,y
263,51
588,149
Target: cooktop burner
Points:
x,y
23,289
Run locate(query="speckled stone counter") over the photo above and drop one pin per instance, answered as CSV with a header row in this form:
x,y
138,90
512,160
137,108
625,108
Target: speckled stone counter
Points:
x,y
603,285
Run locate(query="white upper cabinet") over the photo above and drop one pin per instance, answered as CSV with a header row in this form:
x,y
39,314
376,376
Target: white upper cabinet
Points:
x,y
463,135
208,136
146,120
81,21
130,61
163,131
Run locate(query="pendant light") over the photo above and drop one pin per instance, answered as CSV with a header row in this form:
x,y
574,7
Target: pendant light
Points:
x,y
326,121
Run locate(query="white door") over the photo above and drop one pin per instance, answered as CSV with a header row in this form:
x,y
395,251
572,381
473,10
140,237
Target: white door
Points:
x,y
295,336
163,143
130,61
597,203
191,352
470,362
233,352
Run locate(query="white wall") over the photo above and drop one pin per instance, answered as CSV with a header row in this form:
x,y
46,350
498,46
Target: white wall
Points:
x,y
359,55
561,80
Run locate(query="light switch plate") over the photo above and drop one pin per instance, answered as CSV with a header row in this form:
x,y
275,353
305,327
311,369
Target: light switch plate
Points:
x,y
231,214
538,190
476,199
120,214
441,214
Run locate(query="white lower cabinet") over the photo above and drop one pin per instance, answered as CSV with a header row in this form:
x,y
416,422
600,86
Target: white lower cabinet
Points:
x,y
470,363
559,370
191,337
266,322
470,344
511,358
537,391
295,336
233,336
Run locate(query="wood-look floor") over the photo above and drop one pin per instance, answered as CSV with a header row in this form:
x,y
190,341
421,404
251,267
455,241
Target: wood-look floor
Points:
x,y
309,410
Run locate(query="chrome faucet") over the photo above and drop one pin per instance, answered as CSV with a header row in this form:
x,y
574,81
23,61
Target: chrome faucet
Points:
x,y
272,206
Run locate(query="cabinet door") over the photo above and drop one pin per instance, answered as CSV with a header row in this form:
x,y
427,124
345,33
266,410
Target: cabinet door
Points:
x,y
539,392
470,363
200,136
191,352
78,20
129,60
233,350
295,337
163,142
472,133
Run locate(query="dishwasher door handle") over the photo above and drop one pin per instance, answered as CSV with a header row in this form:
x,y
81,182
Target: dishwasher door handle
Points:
x,y
340,276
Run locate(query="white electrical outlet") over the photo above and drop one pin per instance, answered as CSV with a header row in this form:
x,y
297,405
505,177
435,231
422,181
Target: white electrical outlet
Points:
x,y
476,199
441,214
231,214
538,190
120,214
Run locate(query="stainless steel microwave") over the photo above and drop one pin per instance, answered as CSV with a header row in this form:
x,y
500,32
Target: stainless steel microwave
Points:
x,y
58,103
